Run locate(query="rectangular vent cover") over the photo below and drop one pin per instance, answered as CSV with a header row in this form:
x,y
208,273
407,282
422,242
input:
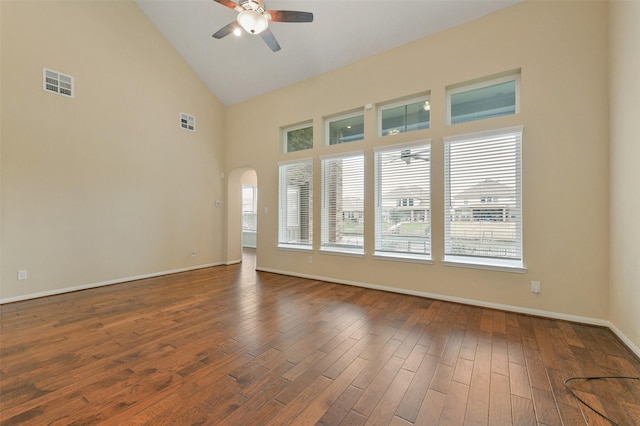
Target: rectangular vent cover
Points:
x,y
53,81
187,122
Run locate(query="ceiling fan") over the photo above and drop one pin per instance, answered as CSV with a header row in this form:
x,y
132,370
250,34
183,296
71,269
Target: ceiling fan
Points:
x,y
254,19
407,155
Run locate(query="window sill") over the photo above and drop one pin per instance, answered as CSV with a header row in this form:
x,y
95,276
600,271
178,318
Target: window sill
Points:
x,y
403,257
339,251
295,247
488,264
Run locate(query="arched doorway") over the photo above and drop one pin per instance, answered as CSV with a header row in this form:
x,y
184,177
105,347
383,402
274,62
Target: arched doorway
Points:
x,y
236,237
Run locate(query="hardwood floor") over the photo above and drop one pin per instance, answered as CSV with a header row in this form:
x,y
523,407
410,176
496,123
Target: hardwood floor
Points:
x,y
229,346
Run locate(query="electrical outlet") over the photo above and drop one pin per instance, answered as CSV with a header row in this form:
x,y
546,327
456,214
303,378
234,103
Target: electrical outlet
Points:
x,y
193,253
22,274
310,259
535,287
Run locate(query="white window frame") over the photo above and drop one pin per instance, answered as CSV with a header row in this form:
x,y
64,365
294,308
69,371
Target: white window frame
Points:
x,y
490,81
332,119
404,102
283,213
378,214
285,133
327,246
493,263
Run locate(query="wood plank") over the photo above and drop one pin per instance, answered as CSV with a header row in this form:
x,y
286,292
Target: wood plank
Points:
x,y
228,345
431,408
477,410
499,400
453,411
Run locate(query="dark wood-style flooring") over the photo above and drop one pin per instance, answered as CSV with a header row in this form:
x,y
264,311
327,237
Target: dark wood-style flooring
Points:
x,y
229,346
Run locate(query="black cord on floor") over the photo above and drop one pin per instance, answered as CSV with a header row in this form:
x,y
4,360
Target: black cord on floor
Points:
x,y
596,378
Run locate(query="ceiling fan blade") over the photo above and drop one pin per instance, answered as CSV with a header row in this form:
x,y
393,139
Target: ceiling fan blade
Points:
x,y
228,3
226,30
270,39
290,16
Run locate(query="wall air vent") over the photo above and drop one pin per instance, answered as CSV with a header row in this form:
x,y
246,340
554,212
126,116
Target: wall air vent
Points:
x,y
187,122
53,81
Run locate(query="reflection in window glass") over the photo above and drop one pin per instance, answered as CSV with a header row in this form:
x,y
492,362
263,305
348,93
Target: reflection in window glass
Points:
x,y
345,130
405,118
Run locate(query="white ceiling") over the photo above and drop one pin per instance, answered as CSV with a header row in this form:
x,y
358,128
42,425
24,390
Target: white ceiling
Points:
x,y
343,31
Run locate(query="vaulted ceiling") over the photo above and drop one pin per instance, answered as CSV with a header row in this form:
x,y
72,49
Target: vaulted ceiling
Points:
x,y
343,31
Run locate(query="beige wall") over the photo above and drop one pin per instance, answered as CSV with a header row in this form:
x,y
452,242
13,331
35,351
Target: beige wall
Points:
x,y
104,186
625,173
561,49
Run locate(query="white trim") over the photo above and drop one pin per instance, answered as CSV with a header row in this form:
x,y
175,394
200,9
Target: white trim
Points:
x,y
403,257
465,301
484,134
634,348
298,160
295,247
490,264
104,283
348,154
232,262
343,251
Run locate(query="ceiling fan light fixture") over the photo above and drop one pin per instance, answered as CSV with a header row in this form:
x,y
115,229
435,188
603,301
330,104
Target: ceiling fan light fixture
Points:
x,y
252,21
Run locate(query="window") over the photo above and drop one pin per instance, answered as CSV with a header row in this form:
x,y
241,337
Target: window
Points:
x,y
489,98
403,201
483,199
249,208
346,128
406,116
298,138
296,204
249,215
343,204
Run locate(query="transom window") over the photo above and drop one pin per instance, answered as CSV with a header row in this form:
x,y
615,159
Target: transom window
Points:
x,y
345,128
298,138
403,201
486,99
404,116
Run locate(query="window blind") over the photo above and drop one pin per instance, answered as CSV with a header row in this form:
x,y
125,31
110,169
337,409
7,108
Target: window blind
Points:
x,y
342,219
296,204
403,201
483,198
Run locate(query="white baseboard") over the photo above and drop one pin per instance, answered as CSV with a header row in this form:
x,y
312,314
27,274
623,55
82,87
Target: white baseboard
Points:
x,y
634,348
103,283
233,262
474,302
510,308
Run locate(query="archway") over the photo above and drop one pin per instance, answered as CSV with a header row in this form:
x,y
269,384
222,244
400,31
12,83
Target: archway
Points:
x,y
237,177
